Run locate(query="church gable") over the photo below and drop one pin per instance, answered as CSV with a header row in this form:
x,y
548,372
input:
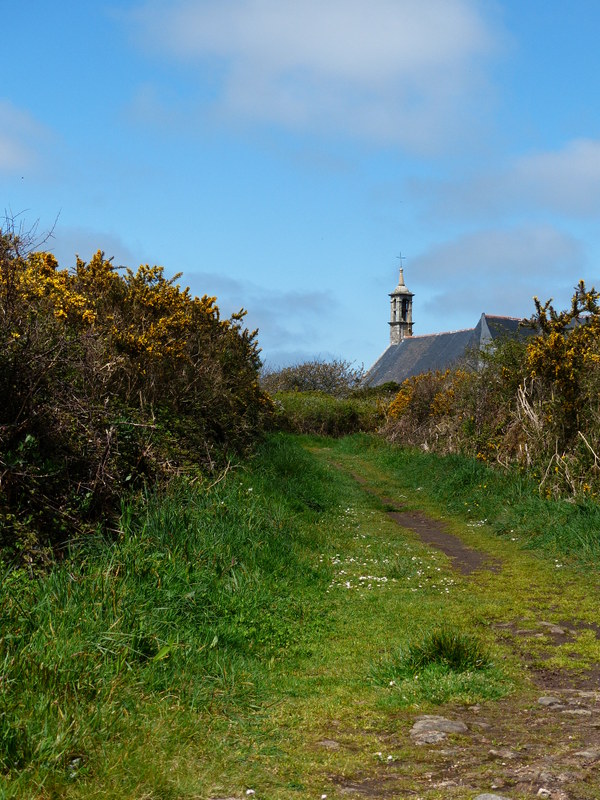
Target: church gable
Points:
x,y
421,354
409,355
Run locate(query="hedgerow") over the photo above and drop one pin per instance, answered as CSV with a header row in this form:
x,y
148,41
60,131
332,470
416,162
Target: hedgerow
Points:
x,y
325,398
533,403
337,377
110,380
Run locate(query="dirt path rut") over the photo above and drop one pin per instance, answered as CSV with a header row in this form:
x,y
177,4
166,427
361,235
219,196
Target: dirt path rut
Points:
x,y
541,742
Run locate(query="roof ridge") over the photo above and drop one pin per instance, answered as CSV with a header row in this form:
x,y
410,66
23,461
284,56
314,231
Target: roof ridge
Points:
x,y
440,333
502,316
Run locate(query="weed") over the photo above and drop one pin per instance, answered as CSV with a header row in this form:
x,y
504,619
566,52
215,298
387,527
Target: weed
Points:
x,y
445,663
449,647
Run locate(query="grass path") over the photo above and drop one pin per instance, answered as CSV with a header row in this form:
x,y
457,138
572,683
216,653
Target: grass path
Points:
x,y
341,722
330,712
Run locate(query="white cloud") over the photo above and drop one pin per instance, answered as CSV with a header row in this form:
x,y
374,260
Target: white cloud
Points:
x,y
398,71
565,181
13,156
68,241
496,271
19,136
289,322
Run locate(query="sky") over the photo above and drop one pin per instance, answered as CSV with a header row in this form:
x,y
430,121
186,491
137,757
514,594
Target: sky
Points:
x,y
283,154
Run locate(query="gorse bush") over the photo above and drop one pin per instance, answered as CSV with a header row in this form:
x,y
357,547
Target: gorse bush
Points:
x,y
425,405
532,403
109,378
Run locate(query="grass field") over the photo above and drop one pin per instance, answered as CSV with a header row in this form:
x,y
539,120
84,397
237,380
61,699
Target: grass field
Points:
x,y
277,631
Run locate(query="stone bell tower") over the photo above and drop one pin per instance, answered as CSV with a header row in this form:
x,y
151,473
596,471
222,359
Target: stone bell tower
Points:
x,y
401,323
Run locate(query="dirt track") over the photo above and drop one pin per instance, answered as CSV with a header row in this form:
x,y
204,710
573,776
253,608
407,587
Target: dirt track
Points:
x,y
544,743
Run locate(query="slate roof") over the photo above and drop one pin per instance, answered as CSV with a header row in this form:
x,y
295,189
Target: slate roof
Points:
x,y
439,351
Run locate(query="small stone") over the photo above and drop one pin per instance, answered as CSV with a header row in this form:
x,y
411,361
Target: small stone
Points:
x,y
503,753
488,796
545,777
577,712
544,793
329,744
550,701
592,754
565,777
433,737
432,722
553,628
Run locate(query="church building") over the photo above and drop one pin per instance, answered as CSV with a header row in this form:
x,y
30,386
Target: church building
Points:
x,y
409,355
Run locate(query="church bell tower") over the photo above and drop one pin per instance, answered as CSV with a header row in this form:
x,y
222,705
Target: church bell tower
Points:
x,y
401,323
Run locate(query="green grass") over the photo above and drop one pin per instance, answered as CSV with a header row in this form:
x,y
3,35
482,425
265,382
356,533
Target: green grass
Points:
x,y
442,665
202,593
322,414
229,629
506,501
448,647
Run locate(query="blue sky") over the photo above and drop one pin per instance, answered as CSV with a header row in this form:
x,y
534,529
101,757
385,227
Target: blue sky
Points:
x,y
282,153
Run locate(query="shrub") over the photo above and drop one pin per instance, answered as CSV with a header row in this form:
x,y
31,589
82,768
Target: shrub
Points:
x,y
425,410
324,415
531,403
337,378
109,379
326,398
